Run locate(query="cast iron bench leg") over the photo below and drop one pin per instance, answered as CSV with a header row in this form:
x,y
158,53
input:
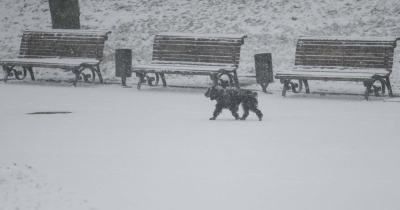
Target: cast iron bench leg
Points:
x,y
99,74
30,70
306,86
164,82
368,85
285,87
235,77
389,87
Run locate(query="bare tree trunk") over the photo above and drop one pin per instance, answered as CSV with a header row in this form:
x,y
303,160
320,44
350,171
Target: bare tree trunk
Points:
x,y
65,14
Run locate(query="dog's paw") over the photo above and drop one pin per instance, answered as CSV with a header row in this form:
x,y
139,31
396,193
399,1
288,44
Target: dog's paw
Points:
x,y
242,118
212,118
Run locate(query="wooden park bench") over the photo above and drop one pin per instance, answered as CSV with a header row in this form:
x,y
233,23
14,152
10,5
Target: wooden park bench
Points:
x,y
366,60
212,55
71,50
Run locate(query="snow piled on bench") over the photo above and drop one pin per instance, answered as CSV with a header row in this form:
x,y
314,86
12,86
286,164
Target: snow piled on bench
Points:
x,y
67,61
350,38
71,31
233,36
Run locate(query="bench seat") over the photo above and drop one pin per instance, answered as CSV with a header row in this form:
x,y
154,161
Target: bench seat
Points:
x,y
332,73
189,69
50,62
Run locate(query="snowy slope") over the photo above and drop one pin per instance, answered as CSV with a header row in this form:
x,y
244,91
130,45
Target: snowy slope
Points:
x,y
271,25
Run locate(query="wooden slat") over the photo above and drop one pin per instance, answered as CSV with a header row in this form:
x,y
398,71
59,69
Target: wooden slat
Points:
x,y
340,59
61,41
344,53
349,64
327,76
347,54
335,69
347,70
193,42
63,48
200,55
55,45
48,62
345,57
207,60
178,63
56,42
198,47
337,74
68,31
196,39
345,47
66,37
333,51
197,60
62,54
194,49
50,34
353,43
208,36
197,50
323,77
179,54
350,39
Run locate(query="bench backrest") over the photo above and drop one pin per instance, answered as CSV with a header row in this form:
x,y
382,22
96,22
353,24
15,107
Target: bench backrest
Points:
x,y
346,52
63,43
197,49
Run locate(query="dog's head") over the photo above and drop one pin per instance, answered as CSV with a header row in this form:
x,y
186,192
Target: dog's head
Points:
x,y
212,93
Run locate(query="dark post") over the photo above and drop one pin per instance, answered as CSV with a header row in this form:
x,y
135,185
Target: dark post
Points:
x,y
123,64
65,14
264,73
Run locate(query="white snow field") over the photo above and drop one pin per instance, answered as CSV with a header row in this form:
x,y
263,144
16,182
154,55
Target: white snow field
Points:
x,y
155,149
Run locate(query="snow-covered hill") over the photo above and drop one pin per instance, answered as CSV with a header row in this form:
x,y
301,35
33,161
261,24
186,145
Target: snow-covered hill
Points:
x,y
271,25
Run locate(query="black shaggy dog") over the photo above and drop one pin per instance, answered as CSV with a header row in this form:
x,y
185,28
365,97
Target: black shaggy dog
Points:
x,y
231,99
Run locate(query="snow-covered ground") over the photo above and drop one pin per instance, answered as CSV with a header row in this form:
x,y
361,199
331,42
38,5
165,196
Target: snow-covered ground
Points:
x,y
121,148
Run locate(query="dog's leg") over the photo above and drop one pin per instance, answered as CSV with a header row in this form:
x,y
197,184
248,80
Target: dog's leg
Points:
x,y
245,111
217,111
253,106
258,112
234,110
